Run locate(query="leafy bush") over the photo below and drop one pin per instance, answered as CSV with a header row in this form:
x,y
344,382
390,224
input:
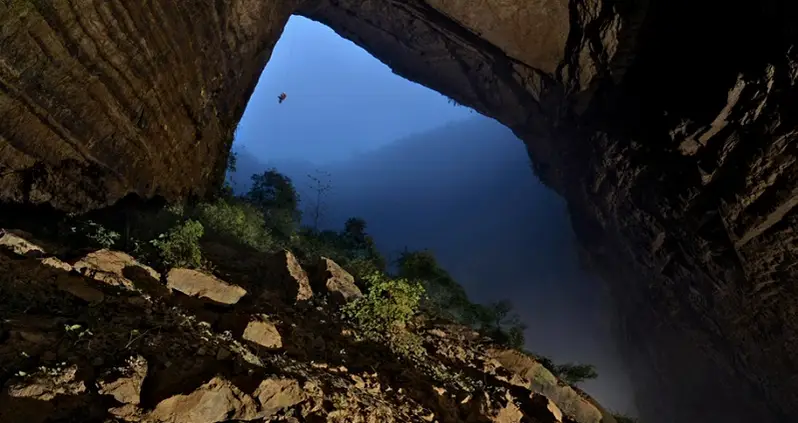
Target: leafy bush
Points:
x,y
95,234
238,221
388,304
498,321
569,373
180,246
361,267
275,196
574,373
407,344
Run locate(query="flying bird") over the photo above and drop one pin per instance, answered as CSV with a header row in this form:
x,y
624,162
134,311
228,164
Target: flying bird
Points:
x,y
281,98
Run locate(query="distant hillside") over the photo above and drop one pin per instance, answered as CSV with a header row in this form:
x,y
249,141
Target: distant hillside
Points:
x,y
467,192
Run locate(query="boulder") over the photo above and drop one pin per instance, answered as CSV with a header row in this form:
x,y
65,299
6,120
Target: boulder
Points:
x,y
545,410
496,410
286,275
216,401
77,286
528,373
18,242
46,386
262,332
339,285
44,397
118,269
275,394
126,387
205,286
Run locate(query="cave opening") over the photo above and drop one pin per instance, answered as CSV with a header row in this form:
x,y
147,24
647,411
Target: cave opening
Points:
x,y
427,173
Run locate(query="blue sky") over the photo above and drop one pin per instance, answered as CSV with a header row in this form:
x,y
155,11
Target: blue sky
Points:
x,y
341,100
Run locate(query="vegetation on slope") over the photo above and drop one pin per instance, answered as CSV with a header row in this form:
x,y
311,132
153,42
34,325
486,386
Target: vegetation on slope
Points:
x,y
267,219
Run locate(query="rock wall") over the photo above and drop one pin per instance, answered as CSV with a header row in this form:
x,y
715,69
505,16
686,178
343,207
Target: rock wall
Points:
x,y
669,126
100,99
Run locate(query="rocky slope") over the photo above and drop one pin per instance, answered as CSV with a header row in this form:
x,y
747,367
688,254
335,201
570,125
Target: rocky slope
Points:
x,y
668,126
106,338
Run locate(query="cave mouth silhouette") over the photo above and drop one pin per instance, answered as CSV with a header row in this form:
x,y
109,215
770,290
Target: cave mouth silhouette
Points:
x,y
343,105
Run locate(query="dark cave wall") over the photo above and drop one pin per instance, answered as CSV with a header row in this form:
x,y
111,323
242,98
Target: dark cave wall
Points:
x,y
669,126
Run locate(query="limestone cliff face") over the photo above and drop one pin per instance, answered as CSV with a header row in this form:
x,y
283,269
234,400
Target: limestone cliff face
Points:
x,y
670,127
99,99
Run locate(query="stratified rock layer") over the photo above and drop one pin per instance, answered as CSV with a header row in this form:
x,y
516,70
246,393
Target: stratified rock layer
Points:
x,y
668,125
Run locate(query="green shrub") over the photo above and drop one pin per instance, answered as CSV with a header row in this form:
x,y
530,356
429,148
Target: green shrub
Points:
x,y
361,267
387,304
237,221
95,234
406,344
180,246
575,373
275,196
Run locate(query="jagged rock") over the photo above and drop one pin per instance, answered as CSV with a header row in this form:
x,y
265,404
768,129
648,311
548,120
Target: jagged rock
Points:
x,y
262,332
19,244
530,374
78,287
287,275
203,285
118,269
275,394
486,409
126,388
546,411
335,281
216,401
509,413
56,264
42,397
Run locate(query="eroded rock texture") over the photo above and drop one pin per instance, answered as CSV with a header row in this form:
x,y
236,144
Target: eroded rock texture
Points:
x,y
99,99
668,125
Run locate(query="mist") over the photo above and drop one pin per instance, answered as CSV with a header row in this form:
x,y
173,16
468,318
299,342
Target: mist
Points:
x,y
426,174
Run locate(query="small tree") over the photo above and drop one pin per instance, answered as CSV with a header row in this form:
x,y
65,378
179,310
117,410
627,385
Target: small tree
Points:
x,y
275,196
388,304
498,321
232,160
227,190
355,229
576,373
236,220
180,246
320,184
